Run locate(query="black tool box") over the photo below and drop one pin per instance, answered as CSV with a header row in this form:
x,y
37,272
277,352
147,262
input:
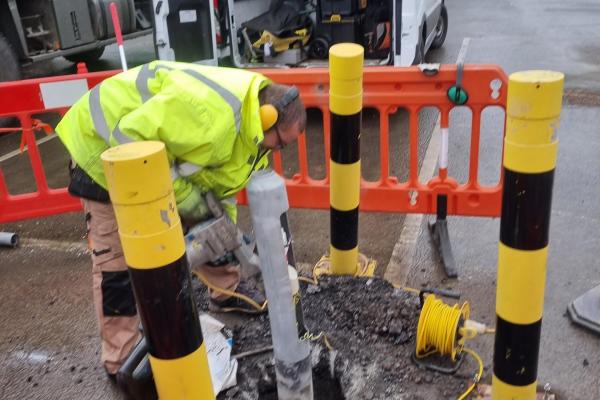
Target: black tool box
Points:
x,y
355,21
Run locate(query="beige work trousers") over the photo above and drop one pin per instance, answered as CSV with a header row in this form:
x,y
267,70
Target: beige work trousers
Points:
x,y
117,319
118,323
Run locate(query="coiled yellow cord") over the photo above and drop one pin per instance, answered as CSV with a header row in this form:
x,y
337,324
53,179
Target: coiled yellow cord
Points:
x,y
307,336
439,325
438,328
254,304
436,332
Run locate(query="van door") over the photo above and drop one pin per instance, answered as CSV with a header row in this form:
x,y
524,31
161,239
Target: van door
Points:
x,y
407,30
185,31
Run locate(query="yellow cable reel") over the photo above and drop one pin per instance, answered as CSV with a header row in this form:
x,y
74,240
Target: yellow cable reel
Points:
x,y
439,325
443,330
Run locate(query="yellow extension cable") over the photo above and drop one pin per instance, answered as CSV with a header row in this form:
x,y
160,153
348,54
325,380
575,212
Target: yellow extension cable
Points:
x,y
436,332
437,328
477,377
231,293
307,336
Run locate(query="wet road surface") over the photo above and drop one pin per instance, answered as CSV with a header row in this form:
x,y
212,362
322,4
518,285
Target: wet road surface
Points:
x,y
48,341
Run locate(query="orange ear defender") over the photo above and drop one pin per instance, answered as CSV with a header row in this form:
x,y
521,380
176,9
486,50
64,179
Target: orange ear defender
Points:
x,y
269,113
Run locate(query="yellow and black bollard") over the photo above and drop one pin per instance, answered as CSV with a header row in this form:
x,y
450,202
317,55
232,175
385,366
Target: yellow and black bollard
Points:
x,y
530,149
345,104
141,191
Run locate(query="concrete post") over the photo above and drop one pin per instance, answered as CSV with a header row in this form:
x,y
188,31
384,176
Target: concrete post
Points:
x,y
530,148
141,192
268,202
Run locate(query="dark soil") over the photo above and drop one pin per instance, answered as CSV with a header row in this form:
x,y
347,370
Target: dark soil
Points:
x,y
371,327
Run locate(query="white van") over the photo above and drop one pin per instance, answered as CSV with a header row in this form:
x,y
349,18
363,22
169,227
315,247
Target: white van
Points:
x,y
424,27
298,33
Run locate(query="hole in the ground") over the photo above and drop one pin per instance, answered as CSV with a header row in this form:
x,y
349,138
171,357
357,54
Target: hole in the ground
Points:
x,y
325,387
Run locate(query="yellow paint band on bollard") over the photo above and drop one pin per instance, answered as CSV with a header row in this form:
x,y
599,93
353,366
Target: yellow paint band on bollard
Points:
x,y
345,78
178,379
532,120
344,260
346,195
141,192
521,283
504,391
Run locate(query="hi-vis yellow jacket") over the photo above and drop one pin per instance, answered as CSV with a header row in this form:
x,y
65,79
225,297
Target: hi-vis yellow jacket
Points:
x,y
207,117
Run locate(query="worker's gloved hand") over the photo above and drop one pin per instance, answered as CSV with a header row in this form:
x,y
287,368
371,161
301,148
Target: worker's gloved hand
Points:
x,y
227,259
193,208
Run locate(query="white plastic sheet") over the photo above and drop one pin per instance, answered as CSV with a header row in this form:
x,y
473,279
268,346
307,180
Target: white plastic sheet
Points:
x,y
223,369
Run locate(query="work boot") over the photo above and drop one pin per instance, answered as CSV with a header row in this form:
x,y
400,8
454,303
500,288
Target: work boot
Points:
x,y
112,378
135,378
237,304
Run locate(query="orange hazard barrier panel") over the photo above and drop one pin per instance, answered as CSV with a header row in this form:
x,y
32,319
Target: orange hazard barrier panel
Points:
x,y
22,100
386,89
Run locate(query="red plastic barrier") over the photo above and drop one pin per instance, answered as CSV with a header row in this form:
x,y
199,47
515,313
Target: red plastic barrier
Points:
x,y
386,89
22,100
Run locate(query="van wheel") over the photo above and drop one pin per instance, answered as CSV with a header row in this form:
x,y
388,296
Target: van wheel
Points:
x,y
441,29
10,70
319,48
86,56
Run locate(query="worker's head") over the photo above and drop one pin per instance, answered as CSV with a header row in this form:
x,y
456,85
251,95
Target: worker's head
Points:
x,y
282,114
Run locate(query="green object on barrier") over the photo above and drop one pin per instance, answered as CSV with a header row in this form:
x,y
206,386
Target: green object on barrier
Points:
x,y
458,95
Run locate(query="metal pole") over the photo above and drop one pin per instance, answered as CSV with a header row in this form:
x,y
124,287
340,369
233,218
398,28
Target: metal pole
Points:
x,y
530,148
117,27
139,183
345,104
293,369
9,239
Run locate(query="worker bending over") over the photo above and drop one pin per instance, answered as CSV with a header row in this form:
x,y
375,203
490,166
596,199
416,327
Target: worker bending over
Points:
x,y
218,126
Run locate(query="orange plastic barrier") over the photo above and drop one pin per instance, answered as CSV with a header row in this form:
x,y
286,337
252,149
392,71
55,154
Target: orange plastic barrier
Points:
x,y
386,89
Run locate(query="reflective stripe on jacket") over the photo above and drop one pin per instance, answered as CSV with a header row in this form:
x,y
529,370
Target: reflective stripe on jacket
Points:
x,y
208,118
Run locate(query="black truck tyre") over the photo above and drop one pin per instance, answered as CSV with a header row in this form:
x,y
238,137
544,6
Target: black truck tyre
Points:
x,y
86,56
10,71
441,29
